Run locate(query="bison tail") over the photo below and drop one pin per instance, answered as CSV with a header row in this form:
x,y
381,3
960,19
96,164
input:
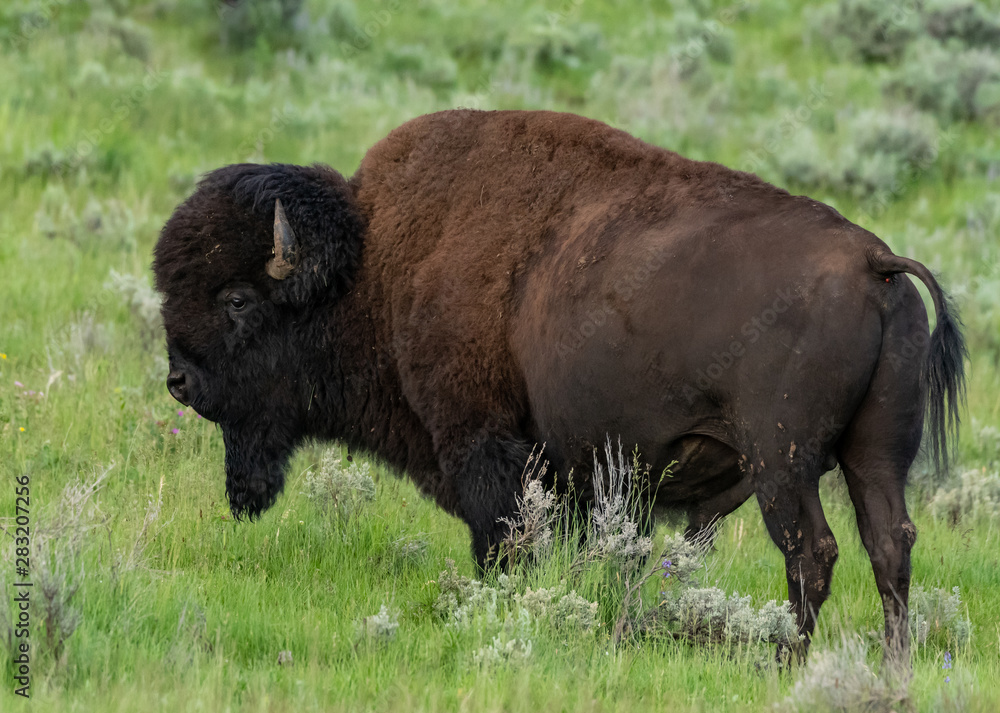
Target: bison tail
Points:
x,y
944,372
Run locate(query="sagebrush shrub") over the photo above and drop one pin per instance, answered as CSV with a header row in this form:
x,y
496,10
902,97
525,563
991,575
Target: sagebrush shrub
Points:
x,y
133,39
463,602
616,545
243,24
955,86
869,30
900,135
695,38
937,615
839,679
682,558
503,651
982,219
509,615
49,161
80,338
380,627
562,610
530,530
708,615
974,493
340,489
968,22
987,441
410,549
550,42
142,300
422,65
110,223
615,530
511,646
877,155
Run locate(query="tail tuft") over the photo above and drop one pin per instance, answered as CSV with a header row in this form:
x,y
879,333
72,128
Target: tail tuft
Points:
x,y
945,379
944,372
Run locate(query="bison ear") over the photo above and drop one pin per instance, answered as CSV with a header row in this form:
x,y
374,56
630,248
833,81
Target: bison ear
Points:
x,y
285,246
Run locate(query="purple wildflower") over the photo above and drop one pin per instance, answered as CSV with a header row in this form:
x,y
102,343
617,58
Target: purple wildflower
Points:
x,y
18,384
175,431
180,412
947,660
665,566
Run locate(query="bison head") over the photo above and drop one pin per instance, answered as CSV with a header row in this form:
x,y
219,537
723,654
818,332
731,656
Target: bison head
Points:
x,y
247,266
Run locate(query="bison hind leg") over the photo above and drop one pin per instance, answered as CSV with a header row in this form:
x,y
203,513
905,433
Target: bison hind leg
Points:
x,y
876,452
888,535
875,457
788,495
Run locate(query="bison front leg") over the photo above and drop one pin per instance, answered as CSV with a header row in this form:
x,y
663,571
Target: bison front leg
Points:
x,y
487,479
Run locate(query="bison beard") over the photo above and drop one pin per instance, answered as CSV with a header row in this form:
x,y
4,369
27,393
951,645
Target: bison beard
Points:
x,y
488,282
255,471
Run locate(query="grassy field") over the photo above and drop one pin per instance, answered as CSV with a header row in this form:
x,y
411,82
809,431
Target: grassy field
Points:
x,y
149,596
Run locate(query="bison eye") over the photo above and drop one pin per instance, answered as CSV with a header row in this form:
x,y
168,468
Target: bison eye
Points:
x,y
237,299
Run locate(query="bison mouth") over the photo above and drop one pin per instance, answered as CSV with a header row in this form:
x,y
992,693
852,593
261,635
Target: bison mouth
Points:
x,y
255,470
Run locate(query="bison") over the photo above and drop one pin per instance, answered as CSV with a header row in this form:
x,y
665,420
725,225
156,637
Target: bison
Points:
x,y
490,281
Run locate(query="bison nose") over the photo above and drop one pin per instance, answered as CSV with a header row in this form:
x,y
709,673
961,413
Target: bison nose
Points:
x,y
177,385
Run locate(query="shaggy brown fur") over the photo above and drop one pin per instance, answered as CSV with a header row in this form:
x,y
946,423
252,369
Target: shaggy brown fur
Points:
x,y
489,281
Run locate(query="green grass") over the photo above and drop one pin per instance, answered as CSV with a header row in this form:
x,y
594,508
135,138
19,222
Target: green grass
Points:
x,y
199,621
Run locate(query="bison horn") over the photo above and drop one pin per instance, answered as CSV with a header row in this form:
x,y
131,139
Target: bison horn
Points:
x,y
285,248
